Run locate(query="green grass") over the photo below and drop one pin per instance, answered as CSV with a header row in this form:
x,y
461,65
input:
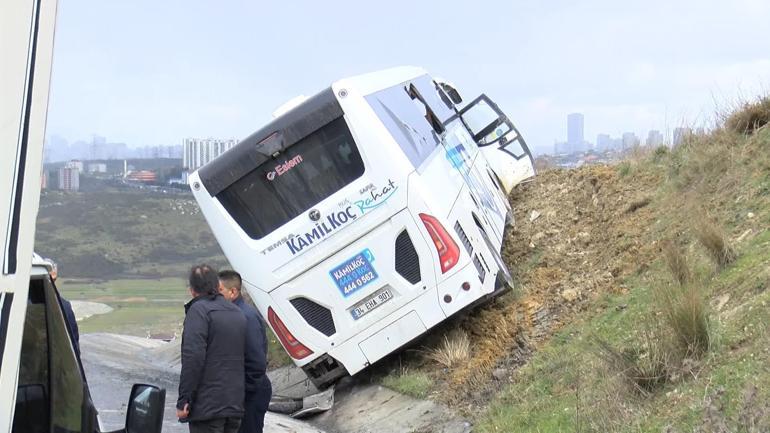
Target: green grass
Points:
x,y
113,234
412,383
139,306
566,387
145,306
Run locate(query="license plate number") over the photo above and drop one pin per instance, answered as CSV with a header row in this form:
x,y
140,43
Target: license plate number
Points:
x,y
371,303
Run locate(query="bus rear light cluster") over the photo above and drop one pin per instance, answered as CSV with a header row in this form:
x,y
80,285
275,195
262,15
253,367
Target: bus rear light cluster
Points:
x,y
295,349
448,251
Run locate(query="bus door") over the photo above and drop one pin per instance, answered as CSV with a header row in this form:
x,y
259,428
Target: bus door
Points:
x,y
461,151
500,141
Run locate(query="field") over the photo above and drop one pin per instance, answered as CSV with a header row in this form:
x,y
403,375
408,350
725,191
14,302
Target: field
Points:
x,y
114,233
131,250
139,306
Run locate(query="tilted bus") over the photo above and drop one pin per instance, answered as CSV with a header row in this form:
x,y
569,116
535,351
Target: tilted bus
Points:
x,y
362,217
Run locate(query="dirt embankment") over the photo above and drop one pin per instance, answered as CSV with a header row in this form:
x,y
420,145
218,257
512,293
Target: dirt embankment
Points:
x,y
578,234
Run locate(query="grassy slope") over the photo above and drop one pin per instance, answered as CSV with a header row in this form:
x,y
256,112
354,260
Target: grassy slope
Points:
x,y
114,234
567,387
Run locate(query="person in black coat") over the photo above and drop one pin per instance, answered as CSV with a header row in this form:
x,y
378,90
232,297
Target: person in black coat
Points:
x,y
258,387
211,384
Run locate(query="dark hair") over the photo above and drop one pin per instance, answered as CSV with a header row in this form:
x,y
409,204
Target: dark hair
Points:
x,y
231,279
203,279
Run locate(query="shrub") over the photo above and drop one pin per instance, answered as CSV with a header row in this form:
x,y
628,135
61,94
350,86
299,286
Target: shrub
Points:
x,y
645,368
750,117
660,153
715,241
454,349
677,263
685,312
624,169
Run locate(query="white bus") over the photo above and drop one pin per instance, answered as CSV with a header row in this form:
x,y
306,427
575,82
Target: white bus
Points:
x,y
362,217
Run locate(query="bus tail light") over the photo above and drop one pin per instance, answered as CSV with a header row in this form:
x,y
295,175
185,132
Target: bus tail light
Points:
x,y
448,251
296,349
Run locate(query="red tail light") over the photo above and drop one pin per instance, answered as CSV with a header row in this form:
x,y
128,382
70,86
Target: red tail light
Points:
x,y
296,349
448,251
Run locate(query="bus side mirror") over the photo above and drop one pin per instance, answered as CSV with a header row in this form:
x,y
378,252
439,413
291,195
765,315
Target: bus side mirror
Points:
x,y
145,409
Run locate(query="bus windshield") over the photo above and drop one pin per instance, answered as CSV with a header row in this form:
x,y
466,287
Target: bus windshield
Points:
x,y
293,181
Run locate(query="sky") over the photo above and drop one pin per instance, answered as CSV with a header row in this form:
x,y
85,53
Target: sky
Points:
x,y
148,72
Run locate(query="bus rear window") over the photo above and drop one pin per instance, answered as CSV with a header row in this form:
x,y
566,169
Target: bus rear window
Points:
x,y
293,181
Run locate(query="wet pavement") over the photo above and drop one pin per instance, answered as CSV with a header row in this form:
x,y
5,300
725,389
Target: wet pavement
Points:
x,y
114,362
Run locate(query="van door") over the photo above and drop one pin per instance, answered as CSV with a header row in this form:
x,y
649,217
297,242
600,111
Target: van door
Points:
x,y
500,141
26,46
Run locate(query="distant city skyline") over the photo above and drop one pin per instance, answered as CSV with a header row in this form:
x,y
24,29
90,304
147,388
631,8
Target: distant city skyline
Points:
x,y
202,69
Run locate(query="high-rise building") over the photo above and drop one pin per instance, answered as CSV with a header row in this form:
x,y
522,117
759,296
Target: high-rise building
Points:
x,y
603,142
198,152
69,179
630,140
654,138
575,137
680,134
97,167
76,164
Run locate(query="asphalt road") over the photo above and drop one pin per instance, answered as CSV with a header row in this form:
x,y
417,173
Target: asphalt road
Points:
x,y
114,362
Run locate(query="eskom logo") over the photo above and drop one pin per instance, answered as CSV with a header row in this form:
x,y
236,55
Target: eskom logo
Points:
x,y
321,230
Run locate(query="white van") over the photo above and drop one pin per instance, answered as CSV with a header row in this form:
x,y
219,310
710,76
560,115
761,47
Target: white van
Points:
x,y
360,218
42,383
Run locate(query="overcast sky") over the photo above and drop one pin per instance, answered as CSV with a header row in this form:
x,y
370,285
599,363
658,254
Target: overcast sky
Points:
x,y
148,72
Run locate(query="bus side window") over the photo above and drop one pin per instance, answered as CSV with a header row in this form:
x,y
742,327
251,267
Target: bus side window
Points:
x,y
32,397
408,126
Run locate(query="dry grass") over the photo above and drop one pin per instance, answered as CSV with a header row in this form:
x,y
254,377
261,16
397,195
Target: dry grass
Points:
x,y
638,204
716,243
686,314
750,117
454,350
677,264
645,368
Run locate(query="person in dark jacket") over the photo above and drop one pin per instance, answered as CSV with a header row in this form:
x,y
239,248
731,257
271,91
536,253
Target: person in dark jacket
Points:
x,y
258,387
211,384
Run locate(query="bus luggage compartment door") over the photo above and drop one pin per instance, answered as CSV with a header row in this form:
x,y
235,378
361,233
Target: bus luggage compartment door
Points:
x,y
392,336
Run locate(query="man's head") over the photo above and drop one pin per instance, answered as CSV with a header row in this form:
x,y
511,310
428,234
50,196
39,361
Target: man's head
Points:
x,y
230,285
203,280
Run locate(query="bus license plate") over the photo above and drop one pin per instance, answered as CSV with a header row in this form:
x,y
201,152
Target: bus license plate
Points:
x,y
370,304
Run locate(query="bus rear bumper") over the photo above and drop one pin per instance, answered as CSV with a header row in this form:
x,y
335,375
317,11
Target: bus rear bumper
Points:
x,y
409,322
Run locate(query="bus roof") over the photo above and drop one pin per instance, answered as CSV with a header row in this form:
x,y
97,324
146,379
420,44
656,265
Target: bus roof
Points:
x,y
292,126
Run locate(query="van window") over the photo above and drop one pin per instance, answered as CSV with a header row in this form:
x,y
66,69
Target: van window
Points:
x,y
67,385
51,392
32,396
294,181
